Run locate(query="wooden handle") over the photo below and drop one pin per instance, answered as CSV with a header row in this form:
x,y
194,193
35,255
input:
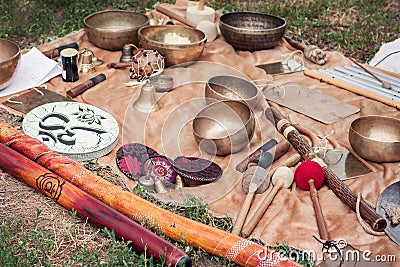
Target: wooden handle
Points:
x,y
264,204
241,167
322,229
201,5
86,206
176,227
119,65
237,227
352,88
288,162
175,16
368,71
341,190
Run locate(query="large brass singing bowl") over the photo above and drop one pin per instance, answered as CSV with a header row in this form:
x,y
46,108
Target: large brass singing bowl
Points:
x,y
224,127
112,29
226,87
376,138
178,44
251,31
10,58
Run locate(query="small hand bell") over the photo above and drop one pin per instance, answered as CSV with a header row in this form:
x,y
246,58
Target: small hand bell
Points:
x,y
86,61
147,101
127,53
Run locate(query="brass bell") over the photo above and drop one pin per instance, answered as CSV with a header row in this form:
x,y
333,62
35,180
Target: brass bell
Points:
x,y
147,182
86,61
158,185
127,53
147,101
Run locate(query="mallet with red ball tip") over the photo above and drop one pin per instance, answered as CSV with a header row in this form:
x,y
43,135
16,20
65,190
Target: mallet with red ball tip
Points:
x,y
309,175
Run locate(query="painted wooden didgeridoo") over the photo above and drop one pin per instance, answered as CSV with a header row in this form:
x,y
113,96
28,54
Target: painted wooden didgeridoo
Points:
x,y
213,240
87,206
334,183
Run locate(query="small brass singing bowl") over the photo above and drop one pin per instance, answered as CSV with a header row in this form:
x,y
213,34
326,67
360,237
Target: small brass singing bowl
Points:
x,y
10,58
225,87
112,29
224,127
376,138
178,44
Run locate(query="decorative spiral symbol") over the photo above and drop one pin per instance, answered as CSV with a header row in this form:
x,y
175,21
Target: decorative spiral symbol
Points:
x,y
50,184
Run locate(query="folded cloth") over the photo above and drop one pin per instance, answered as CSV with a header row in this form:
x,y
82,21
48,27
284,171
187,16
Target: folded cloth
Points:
x,y
388,57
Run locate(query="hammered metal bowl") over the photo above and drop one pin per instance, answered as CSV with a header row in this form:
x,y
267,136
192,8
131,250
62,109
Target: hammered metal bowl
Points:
x,y
224,127
226,87
178,44
112,29
376,138
251,31
10,58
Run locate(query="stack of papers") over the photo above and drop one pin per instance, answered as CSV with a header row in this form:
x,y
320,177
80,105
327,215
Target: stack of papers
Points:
x,y
35,69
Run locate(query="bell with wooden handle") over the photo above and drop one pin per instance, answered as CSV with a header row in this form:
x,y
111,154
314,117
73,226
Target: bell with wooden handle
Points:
x,y
86,61
147,101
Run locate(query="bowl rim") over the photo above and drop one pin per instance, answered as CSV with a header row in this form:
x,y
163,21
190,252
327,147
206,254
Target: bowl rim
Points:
x,y
235,77
243,30
352,130
251,117
115,11
140,35
18,54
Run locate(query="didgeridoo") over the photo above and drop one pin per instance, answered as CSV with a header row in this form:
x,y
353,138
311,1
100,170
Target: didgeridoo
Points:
x,y
87,206
213,240
341,190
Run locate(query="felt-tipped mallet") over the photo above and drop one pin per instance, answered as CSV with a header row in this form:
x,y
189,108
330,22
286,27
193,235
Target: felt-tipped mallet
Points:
x,y
309,176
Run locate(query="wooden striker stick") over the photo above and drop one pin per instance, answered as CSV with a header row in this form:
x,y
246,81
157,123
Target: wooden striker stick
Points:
x,y
178,228
334,183
322,228
266,200
86,206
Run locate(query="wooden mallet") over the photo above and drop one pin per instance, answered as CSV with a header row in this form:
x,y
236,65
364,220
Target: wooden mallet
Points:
x,y
309,176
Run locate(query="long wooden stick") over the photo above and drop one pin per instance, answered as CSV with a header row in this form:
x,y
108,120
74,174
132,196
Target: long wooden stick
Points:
x,y
86,206
178,228
334,183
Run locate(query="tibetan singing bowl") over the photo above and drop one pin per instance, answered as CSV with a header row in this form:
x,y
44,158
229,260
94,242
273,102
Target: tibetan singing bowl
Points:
x,y
224,127
178,44
10,58
251,31
376,138
225,87
112,29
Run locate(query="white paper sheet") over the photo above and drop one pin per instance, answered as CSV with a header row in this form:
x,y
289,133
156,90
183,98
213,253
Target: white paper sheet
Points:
x,y
34,70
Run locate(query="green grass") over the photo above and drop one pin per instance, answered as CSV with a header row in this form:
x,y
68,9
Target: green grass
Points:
x,y
356,28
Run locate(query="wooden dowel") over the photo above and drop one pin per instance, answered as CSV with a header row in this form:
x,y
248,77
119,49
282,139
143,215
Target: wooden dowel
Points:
x,y
322,229
175,16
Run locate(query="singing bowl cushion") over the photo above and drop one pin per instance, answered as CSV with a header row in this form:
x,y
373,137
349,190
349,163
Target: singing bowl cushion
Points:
x,y
130,158
162,168
306,171
197,169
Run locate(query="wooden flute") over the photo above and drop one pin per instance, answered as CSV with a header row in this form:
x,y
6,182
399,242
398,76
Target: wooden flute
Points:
x,y
341,190
213,240
87,206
